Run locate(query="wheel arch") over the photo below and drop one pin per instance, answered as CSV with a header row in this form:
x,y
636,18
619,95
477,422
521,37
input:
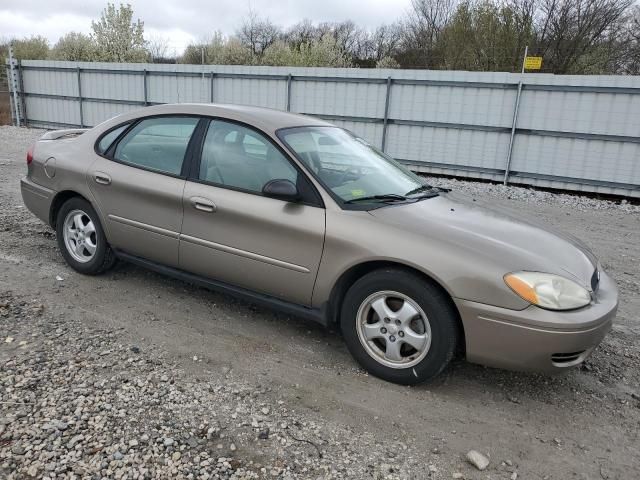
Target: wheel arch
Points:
x,y
355,272
59,200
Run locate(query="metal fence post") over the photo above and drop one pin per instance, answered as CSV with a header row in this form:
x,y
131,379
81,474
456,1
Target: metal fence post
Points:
x,y
23,98
13,82
385,121
513,134
145,87
289,78
7,74
80,97
211,94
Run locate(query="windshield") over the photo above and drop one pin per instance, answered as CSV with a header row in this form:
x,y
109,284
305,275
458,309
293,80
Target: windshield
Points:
x,y
351,168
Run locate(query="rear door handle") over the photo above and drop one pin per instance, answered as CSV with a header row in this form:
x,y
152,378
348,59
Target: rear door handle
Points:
x,y
102,178
203,204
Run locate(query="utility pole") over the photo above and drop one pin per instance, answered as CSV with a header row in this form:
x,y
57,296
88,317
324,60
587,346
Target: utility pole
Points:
x,y
14,82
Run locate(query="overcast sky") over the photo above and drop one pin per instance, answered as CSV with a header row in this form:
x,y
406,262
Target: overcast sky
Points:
x,y
183,21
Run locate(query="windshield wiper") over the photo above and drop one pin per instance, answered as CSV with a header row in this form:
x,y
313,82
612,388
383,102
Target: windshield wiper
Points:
x,y
423,188
388,197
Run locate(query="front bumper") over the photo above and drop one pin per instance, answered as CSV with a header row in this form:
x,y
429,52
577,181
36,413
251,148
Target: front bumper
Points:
x,y
37,198
535,339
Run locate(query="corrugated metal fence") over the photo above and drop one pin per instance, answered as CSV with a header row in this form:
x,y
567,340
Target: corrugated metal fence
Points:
x,y
569,132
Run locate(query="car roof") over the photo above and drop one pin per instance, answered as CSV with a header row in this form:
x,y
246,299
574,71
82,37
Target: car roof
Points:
x,y
266,119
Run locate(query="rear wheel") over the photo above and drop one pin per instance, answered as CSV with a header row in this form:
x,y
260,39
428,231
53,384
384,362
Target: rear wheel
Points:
x,y
81,238
398,326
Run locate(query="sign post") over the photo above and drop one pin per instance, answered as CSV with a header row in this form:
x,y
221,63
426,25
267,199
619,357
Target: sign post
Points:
x,y
528,63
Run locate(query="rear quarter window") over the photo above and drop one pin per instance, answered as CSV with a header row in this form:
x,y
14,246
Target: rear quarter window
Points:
x,y
106,140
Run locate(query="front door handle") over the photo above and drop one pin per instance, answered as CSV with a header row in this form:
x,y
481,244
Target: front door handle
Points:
x,y
203,204
102,178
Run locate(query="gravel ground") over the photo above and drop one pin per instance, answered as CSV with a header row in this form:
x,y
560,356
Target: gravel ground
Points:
x,y
134,375
537,197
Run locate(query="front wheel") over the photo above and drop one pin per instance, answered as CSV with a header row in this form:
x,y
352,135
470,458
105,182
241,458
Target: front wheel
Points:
x,y
399,327
81,239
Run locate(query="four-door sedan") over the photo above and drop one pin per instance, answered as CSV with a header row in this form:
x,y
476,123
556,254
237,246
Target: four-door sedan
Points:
x,y
295,213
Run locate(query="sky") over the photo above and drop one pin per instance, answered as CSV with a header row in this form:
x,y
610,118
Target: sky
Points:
x,y
183,21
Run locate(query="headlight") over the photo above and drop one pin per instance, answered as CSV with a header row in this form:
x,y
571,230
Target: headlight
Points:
x,y
548,291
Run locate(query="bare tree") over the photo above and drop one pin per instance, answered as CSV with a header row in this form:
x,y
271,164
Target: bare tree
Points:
x,y
301,33
158,48
257,33
569,31
348,38
630,62
422,29
385,41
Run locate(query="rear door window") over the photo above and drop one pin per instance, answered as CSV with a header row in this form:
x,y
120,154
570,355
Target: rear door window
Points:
x,y
157,143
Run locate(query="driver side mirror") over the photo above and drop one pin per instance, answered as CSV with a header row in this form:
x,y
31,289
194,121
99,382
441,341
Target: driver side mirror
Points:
x,y
281,189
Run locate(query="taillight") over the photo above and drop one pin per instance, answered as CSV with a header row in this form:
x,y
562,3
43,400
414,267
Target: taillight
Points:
x,y
30,155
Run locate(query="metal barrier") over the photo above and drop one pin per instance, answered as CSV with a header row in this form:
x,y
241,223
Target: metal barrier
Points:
x,y
399,124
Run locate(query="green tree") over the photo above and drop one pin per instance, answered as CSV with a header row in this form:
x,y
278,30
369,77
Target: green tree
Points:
x,y
32,48
218,50
324,53
481,36
387,62
281,54
235,53
75,46
193,54
118,38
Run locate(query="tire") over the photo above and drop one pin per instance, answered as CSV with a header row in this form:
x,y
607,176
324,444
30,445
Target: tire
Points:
x,y
409,299
93,255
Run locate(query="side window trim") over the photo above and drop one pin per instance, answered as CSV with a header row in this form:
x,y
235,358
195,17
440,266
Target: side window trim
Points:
x,y
112,148
96,145
193,175
193,155
110,153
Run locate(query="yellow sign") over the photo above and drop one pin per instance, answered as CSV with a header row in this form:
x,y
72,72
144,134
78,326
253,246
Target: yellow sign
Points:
x,y
533,63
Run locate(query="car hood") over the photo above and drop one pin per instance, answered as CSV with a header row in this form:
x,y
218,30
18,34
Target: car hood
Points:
x,y
490,231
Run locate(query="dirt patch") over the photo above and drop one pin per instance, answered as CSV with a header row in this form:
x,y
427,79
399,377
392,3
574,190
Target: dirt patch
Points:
x,y
5,109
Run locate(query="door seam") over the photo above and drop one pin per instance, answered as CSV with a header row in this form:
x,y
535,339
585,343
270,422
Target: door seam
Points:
x,y
184,188
324,240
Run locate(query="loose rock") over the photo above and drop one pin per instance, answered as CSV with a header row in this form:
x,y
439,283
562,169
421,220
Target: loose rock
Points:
x,y
477,459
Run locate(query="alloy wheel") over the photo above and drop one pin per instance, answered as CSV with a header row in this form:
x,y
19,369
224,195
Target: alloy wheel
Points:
x,y
393,329
80,236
